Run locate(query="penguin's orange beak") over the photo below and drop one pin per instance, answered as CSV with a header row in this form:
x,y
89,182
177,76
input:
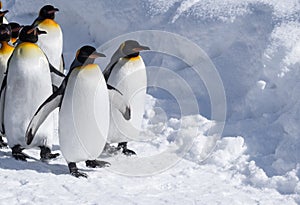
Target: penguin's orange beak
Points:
x,y
17,29
97,55
5,32
36,31
53,11
141,48
2,13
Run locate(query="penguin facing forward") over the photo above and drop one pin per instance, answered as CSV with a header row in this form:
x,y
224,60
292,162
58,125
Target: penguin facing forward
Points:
x,y
15,30
25,86
127,73
84,112
2,15
52,42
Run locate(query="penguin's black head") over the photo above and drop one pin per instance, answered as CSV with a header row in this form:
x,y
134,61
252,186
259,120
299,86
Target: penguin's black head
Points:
x,y
5,32
15,28
30,34
131,48
87,54
48,12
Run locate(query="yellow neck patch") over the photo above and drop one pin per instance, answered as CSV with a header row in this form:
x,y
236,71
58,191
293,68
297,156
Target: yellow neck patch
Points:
x,y
13,40
29,50
28,45
89,66
48,23
134,58
6,48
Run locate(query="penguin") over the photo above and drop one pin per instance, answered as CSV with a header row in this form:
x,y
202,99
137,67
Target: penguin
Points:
x,y
52,43
25,86
83,101
127,73
5,52
15,28
2,17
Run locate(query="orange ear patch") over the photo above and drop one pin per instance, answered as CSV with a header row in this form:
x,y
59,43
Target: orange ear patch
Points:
x,y
6,48
90,66
135,58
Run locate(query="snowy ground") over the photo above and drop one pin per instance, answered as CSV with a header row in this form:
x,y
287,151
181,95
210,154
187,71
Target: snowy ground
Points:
x,y
254,45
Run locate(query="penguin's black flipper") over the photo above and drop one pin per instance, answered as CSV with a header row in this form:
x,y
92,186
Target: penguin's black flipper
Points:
x,y
117,100
2,100
43,111
113,61
56,76
62,63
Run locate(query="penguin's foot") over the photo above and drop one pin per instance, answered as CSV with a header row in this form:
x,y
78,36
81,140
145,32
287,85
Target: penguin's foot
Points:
x,y
96,163
111,150
74,170
128,152
125,150
2,143
18,154
46,154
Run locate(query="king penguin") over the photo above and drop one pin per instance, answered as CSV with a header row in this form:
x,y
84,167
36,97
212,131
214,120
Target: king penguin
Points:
x,y
83,100
5,52
25,86
52,42
127,73
2,17
15,30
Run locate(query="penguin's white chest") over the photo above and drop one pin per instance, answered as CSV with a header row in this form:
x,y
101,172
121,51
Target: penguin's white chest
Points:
x,y
52,42
129,77
28,86
84,115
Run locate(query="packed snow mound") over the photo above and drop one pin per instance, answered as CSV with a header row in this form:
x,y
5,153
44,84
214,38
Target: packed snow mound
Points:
x,y
254,45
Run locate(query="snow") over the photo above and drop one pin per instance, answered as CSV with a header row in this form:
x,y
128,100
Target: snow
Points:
x,y
251,50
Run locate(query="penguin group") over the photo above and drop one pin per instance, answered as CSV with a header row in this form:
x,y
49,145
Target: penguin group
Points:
x,y
96,109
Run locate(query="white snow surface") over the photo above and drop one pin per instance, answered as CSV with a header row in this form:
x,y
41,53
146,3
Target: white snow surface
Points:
x,y
255,47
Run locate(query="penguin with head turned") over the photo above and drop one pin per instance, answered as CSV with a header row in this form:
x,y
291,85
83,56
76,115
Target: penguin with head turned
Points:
x,y
5,52
52,42
2,15
83,100
127,73
26,85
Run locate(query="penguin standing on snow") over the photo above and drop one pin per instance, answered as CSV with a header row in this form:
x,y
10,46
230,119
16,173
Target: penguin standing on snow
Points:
x,y
84,112
15,30
52,42
127,73
25,86
2,13
5,52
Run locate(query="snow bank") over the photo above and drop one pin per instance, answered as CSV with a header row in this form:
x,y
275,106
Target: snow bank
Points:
x,y
254,45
